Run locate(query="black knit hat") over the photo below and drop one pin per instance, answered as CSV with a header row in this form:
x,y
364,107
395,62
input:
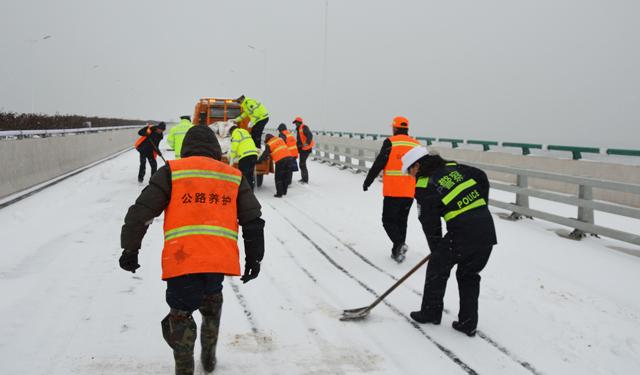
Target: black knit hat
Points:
x,y
282,127
185,117
201,141
162,125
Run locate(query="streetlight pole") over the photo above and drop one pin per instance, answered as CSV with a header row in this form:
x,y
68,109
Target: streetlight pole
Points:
x,y
324,65
32,43
263,51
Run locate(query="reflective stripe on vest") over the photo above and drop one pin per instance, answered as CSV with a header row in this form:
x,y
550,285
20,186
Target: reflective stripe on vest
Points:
x,y
201,220
395,183
457,190
203,173
209,230
278,149
422,182
479,203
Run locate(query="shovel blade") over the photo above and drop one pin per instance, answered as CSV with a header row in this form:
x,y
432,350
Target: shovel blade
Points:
x,y
355,314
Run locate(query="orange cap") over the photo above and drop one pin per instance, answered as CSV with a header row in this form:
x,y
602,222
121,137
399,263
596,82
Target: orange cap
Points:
x,y
298,119
400,122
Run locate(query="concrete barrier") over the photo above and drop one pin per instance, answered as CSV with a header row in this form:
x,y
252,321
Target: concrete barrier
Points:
x,y
29,162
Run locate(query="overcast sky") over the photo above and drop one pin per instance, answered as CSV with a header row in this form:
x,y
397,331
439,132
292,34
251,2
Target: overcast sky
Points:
x,y
547,71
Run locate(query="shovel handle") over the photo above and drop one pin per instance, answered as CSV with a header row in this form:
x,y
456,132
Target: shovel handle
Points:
x,y
400,281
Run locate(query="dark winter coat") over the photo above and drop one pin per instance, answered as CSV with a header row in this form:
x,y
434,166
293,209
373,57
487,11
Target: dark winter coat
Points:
x,y
471,229
146,147
199,141
378,164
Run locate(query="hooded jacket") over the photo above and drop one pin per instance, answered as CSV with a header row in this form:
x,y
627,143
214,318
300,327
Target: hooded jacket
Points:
x,y
199,141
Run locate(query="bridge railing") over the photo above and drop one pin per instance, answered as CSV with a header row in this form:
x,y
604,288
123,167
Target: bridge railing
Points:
x,y
357,153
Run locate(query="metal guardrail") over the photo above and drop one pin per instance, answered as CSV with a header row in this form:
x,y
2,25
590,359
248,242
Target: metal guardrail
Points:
x,y
576,151
20,134
354,154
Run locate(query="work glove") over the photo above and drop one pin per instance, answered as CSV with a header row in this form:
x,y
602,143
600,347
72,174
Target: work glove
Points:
x,y
251,271
365,187
129,260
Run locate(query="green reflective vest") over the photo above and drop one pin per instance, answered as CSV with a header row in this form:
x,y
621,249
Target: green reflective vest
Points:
x,y
242,145
176,136
253,109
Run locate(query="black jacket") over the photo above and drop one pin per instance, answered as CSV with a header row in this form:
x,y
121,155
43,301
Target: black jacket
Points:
x,y
146,147
469,230
155,198
379,163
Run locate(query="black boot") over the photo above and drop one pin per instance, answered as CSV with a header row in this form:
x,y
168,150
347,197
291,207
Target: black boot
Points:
x,y
211,311
179,331
425,317
396,253
466,329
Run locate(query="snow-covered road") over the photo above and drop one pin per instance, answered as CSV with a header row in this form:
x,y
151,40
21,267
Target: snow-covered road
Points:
x,y
547,305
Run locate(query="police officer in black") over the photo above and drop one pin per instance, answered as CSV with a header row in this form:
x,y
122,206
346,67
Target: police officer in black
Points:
x,y
459,194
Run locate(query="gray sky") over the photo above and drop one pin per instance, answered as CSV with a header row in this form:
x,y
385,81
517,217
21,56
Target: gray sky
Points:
x,y
547,71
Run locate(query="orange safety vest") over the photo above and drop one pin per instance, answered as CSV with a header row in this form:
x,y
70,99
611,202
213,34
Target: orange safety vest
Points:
x,y
394,182
291,143
142,138
303,139
278,149
201,220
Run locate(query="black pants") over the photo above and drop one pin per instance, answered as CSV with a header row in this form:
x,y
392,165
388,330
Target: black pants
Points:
x,y
256,131
143,164
282,175
470,262
304,173
395,212
247,166
187,292
294,168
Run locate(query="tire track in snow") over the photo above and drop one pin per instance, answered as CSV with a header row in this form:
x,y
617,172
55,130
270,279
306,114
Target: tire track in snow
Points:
x,y
446,351
528,366
295,260
245,308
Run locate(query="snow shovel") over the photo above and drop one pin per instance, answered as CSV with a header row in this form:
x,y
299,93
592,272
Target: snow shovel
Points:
x,y
363,312
158,152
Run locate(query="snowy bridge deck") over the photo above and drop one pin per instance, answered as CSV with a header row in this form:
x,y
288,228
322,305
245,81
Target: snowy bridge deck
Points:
x,y
547,305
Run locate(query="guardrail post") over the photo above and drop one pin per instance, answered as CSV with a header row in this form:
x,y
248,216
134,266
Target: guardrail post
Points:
x,y
585,214
522,200
336,155
361,164
347,157
325,156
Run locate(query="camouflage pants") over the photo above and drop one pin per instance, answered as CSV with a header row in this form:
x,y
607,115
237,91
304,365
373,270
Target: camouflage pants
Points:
x,y
211,311
180,331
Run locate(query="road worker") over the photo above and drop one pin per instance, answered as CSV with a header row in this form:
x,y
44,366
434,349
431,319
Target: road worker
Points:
x,y
204,201
459,194
177,133
257,114
397,187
